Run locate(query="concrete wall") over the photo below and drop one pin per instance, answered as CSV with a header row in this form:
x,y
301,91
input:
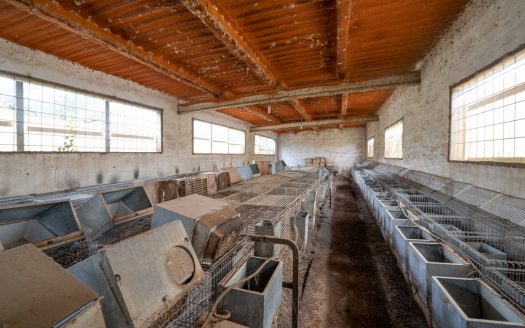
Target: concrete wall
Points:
x,y
343,147
31,173
485,31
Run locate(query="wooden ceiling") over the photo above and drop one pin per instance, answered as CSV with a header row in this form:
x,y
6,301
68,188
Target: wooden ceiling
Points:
x,y
267,62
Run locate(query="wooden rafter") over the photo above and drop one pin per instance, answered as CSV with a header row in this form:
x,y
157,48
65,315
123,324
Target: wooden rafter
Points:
x,y
343,26
53,12
321,91
226,31
344,103
262,114
309,124
299,107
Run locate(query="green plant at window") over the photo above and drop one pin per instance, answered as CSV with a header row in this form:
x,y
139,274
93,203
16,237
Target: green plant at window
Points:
x,y
69,139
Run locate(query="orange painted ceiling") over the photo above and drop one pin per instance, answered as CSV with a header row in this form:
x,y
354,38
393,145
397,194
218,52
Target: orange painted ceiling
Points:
x,y
217,50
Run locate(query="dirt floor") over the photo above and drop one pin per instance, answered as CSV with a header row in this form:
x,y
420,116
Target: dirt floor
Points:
x,y
349,275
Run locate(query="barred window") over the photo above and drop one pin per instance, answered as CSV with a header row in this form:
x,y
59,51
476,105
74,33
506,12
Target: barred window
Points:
x,y
488,114
37,116
370,147
264,145
211,138
394,140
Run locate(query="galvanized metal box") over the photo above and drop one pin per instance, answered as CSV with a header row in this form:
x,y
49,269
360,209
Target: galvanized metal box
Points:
x,y
211,224
309,205
426,260
108,208
253,303
470,303
403,236
301,225
144,277
42,224
37,292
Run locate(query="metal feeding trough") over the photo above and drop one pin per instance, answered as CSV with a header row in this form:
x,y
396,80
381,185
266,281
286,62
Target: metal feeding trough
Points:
x,y
37,292
301,225
42,224
211,224
309,205
432,259
462,303
255,302
267,228
402,236
395,218
143,279
108,208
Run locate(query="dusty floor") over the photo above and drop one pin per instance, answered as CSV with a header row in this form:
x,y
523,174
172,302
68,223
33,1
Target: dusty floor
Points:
x,y
352,279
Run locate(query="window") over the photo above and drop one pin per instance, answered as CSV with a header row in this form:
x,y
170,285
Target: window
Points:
x,y
211,138
488,114
36,116
370,147
264,145
134,128
394,140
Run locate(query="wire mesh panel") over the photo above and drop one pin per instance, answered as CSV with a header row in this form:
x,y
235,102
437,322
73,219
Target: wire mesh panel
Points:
x,y
200,298
72,253
495,245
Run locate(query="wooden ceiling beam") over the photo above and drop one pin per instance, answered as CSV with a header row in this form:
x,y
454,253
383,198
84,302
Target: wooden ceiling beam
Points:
x,y
226,31
54,13
344,103
311,92
344,8
310,124
299,107
262,114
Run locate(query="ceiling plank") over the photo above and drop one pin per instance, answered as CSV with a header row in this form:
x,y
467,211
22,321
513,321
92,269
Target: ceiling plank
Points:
x,y
226,31
344,103
359,119
53,12
320,91
344,9
299,107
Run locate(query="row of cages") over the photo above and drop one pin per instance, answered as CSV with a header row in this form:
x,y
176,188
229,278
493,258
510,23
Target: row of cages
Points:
x,y
144,263
464,267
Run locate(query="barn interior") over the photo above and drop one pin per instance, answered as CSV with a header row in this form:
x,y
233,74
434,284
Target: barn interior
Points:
x,y
262,163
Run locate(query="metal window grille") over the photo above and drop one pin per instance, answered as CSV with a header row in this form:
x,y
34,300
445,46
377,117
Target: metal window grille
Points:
x,y
394,140
488,114
37,116
264,145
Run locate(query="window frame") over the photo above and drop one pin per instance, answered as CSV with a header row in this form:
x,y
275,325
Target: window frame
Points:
x,y
402,139
211,140
274,148
107,98
373,147
450,90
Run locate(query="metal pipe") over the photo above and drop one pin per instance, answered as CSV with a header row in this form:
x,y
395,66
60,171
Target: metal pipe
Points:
x,y
295,283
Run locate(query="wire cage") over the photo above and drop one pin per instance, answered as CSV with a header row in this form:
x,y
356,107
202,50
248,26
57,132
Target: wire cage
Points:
x,y
275,208
495,245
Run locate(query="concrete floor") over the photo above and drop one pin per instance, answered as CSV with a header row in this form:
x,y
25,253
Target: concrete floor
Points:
x,y
354,280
